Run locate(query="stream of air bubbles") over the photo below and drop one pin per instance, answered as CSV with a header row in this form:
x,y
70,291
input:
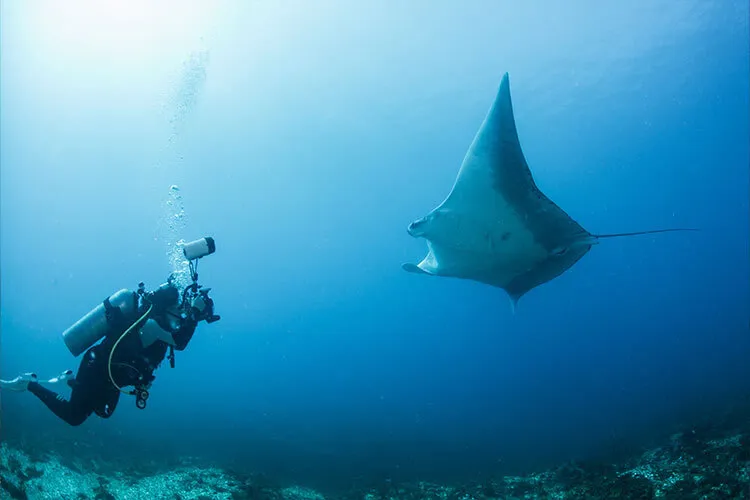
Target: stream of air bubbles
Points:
x,y
180,103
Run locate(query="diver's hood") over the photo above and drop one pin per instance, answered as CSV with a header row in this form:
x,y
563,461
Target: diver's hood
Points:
x,y
165,297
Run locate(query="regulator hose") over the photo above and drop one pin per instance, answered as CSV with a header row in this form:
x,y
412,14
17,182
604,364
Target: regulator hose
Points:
x,y
114,347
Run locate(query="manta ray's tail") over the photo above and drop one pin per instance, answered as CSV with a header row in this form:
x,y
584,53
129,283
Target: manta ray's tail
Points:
x,y
637,233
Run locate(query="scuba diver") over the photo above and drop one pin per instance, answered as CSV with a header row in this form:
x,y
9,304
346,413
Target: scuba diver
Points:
x,y
138,330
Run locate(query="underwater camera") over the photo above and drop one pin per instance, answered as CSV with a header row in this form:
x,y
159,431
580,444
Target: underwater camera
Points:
x,y
201,306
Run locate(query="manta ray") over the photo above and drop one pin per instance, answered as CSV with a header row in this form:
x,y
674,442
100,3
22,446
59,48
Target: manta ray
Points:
x,y
495,226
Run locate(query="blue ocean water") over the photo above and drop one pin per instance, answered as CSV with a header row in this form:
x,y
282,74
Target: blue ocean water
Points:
x,y
305,138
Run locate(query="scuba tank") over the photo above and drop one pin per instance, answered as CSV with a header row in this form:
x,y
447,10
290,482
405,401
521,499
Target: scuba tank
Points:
x,y
95,325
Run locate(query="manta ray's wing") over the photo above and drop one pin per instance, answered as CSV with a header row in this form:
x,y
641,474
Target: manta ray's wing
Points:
x,y
503,230
495,179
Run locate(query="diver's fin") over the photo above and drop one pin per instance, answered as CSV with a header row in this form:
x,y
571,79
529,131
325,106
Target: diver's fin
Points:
x,y
65,376
20,383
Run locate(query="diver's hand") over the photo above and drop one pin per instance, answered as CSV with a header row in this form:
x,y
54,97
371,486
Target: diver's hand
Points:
x,y
202,307
198,307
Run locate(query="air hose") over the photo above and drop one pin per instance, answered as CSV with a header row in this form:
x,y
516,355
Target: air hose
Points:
x,y
112,352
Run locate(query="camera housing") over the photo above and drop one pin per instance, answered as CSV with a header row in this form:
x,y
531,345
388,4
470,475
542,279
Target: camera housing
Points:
x,y
199,248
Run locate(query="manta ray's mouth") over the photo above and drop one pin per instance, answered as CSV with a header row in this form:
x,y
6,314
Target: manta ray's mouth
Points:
x,y
416,228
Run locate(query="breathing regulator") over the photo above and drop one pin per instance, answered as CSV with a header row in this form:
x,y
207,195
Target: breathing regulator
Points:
x,y
125,311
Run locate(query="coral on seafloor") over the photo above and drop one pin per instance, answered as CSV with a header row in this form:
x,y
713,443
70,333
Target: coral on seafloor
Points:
x,y
694,464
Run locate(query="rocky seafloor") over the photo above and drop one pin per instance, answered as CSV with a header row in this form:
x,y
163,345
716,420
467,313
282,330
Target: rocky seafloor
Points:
x,y
697,463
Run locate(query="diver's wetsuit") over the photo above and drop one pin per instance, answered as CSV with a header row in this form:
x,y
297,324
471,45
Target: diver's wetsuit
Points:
x,y
93,391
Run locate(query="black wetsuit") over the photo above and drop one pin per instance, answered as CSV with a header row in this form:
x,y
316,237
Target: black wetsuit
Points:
x,y
132,364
